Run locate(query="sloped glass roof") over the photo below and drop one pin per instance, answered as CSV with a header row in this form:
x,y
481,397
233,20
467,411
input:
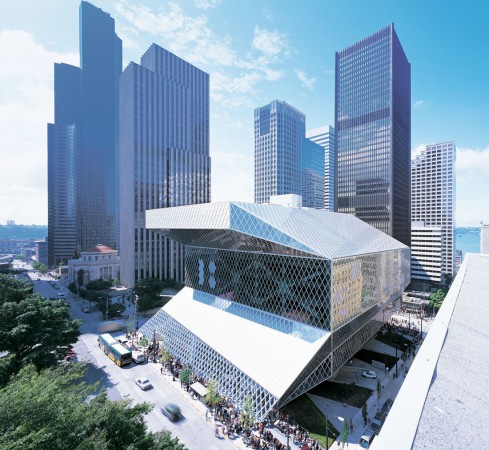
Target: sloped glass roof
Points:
x,y
317,232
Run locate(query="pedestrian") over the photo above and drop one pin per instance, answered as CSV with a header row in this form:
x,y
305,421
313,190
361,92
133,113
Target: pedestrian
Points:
x,y
216,431
207,414
161,370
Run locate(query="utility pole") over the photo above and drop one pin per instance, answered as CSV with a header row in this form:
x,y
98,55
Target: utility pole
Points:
x,y
287,417
107,307
327,432
396,361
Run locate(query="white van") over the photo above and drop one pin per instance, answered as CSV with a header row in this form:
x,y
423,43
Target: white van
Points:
x,y
138,357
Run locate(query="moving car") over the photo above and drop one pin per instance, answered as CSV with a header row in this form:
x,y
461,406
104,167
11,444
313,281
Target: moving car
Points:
x,y
369,374
171,411
143,383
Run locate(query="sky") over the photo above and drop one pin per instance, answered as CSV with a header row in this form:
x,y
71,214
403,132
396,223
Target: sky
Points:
x,y
255,51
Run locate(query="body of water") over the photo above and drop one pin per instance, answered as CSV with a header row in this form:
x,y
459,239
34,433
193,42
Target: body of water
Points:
x,y
467,240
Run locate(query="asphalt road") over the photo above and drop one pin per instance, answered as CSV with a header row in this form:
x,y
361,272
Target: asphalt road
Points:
x,y
192,429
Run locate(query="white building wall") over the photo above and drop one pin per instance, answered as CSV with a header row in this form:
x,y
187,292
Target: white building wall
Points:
x,y
433,202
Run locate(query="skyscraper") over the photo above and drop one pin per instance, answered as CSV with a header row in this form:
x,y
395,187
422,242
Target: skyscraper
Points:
x,y
279,136
373,133
82,143
164,156
324,136
312,174
433,212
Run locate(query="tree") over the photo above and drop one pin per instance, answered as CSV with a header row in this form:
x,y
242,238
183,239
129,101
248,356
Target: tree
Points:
x,y
164,441
98,285
41,268
365,413
436,299
165,355
184,376
115,309
344,431
146,302
37,330
12,289
212,398
52,410
248,417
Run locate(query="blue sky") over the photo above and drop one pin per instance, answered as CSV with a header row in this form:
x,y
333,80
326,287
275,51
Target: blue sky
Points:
x,y
255,51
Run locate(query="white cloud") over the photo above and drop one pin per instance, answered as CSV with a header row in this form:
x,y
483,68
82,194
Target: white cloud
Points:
x,y
417,150
192,38
206,4
26,106
271,43
418,103
304,79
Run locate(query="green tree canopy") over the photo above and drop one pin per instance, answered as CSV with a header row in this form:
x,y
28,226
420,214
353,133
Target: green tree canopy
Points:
x,y
32,329
344,431
185,375
212,397
13,289
37,330
52,410
248,417
99,285
436,299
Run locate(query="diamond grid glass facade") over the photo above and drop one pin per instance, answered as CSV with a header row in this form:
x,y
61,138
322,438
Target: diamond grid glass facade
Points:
x,y
373,133
322,308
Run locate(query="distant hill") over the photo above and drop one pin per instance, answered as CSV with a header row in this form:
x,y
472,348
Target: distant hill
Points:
x,y
23,231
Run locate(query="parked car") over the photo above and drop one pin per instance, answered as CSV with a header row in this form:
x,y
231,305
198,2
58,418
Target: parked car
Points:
x,y
366,440
138,357
378,421
369,374
171,411
386,407
86,309
143,383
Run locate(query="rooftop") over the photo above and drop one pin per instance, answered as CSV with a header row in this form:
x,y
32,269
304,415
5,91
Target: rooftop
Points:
x,y
312,232
258,343
99,248
444,401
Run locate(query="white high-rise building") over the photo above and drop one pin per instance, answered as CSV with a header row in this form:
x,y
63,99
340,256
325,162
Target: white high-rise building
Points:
x,y
433,212
164,157
324,136
484,239
279,137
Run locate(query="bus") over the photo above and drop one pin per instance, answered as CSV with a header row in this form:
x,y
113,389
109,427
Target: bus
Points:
x,y
115,351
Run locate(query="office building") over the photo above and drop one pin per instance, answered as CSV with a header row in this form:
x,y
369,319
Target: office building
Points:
x,y
279,136
312,174
83,142
324,136
42,251
164,157
291,293
433,212
373,133
484,239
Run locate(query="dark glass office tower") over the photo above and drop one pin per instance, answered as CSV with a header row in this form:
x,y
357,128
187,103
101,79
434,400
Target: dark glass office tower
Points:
x,y
373,133
63,143
101,65
83,143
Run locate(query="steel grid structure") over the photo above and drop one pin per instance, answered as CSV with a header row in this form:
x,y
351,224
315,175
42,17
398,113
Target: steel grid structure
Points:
x,y
277,298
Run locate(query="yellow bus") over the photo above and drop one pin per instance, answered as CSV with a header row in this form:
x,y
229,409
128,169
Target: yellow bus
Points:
x,y
114,350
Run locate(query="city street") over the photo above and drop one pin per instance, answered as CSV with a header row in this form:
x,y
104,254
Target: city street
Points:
x,y
192,429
